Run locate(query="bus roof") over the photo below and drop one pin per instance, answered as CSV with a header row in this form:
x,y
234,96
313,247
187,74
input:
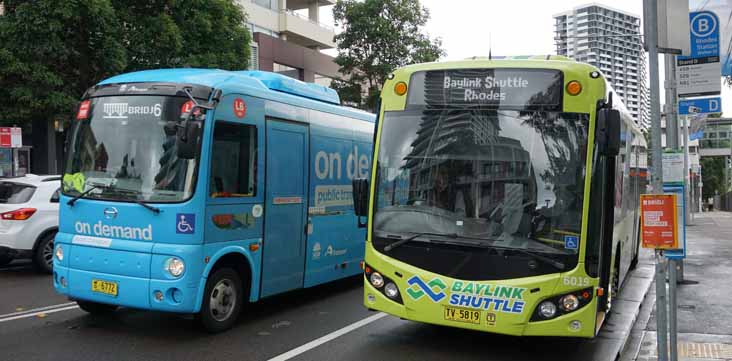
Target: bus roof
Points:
x,y
522,61
263,84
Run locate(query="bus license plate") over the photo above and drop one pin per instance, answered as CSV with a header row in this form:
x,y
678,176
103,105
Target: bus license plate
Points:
x,y
106,287
462,315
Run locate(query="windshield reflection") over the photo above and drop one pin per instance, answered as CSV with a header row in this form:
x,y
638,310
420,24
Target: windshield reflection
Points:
x,y
516,178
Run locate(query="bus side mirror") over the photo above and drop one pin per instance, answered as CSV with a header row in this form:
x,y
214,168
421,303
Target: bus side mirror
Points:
x,y
607,134
360,199
187,138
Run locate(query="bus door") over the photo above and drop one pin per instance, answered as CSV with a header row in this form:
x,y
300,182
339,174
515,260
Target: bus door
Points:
x,y
283,263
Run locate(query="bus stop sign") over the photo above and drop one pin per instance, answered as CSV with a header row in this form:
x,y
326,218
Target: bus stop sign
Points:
x,y
659,221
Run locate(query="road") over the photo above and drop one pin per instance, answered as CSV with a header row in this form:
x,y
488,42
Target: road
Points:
x,y
322,323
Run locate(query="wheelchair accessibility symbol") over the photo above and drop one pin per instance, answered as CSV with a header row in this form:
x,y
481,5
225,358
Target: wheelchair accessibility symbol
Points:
x,y
185,223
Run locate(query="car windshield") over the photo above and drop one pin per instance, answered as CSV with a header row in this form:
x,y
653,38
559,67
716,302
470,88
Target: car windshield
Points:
x,y
121,147
507,177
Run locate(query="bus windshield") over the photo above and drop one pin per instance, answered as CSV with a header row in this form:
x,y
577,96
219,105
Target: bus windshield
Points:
x,y
119,145
503,178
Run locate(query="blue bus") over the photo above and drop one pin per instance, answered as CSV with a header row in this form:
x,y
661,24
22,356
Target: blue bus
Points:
x,y
197,191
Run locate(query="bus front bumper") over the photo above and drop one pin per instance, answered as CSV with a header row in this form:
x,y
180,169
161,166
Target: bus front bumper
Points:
x,y
492,322
132,289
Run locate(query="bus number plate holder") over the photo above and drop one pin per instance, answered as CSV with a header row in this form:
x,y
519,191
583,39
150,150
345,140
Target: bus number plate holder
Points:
x,y
461,315
105,287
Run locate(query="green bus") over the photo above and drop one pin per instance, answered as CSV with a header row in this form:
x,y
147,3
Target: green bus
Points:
x,y
502,197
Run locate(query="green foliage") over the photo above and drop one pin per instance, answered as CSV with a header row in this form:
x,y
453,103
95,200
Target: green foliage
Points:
x,y
713,176
184,33
378,37
52,51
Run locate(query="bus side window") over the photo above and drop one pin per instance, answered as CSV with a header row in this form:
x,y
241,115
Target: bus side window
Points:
x,y
233,160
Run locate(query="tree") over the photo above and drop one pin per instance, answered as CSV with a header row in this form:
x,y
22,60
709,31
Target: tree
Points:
x,y
713,176
51,52
379,36
184,33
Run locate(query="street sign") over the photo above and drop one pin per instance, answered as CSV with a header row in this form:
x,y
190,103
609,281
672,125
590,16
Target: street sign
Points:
x,y
673,167
679,251
699,73
11,137
700,105
658,221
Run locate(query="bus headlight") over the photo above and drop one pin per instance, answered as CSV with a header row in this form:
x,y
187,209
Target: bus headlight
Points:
x,y
175,266
569,302
391,290
547,309
376,280
59,253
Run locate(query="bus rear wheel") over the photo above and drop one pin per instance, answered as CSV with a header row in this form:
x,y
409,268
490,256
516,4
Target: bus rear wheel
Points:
x,y
95,308
222,301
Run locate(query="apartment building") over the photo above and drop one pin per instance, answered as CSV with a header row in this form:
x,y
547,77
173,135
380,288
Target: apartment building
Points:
x,y
610,40
288,36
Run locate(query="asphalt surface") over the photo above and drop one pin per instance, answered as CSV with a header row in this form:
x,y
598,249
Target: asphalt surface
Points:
x,y
323,323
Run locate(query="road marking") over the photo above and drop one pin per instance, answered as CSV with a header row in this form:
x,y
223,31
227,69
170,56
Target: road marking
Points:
x,y
37,311
329,337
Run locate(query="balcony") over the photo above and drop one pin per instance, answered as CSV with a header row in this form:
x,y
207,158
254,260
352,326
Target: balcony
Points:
x,y
301,30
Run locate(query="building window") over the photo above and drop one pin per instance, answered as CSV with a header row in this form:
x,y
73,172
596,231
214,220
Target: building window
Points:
x,y
286,70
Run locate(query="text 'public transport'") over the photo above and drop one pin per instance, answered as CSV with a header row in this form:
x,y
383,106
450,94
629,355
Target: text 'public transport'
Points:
x,y
197,191
504,196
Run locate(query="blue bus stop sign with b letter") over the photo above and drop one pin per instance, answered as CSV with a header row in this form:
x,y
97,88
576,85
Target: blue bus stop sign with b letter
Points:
x,y
699,73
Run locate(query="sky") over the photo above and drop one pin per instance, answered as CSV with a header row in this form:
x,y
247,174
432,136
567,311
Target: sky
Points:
x,y
516,27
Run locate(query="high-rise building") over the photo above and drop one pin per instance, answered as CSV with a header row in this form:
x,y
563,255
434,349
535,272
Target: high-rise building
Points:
x,y
287,36
610,40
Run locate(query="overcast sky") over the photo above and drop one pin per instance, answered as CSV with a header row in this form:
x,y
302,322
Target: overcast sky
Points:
x,y
516,27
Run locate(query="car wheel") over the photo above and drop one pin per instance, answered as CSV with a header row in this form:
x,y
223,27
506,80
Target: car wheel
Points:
x,y
222,301
43,257
96,308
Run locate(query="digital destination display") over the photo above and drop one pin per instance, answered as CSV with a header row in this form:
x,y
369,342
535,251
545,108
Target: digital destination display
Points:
x,y
495,88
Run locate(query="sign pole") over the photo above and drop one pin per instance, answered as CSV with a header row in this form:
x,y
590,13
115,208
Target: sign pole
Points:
x,y
650,12
672,322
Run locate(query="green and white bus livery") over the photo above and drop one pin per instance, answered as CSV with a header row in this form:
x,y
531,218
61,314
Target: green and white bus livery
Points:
x,y
503,198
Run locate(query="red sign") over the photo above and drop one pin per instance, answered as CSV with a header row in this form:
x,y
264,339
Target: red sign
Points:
x,y
187,106
83,110
659,221
240,108
5,137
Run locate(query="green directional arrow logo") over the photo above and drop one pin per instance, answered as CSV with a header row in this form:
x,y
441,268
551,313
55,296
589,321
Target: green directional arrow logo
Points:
x,y
434,289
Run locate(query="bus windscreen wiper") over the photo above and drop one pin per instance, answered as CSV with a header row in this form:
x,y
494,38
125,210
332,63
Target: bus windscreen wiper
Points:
x,y
402,241
533,254
139,201
78,196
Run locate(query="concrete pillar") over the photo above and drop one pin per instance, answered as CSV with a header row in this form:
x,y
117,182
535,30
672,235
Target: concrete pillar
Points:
x,y
282,5
313,12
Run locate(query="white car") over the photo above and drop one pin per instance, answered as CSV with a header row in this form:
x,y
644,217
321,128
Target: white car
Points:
x,y
29,219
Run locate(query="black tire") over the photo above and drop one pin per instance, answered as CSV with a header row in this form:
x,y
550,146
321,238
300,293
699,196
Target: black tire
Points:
x,y
5,260
222,302
43,256
614,284
636,251
96,308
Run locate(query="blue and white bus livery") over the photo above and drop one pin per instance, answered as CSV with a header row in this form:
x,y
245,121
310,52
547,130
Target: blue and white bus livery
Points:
x,y
195,191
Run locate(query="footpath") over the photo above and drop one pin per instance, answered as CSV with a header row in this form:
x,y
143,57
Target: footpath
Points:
x,y
704,301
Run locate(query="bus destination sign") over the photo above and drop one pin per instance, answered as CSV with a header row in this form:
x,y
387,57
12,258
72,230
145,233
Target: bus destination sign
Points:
x,y
499,88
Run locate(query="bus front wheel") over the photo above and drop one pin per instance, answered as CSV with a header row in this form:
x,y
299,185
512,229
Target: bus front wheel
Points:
x,y
222,301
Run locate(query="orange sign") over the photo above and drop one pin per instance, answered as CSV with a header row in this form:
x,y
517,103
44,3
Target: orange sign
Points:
x,y
659,228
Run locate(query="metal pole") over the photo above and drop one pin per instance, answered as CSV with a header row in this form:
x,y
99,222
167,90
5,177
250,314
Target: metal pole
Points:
x,y
650,13
687,188
672,121
672,323
661,321
652,44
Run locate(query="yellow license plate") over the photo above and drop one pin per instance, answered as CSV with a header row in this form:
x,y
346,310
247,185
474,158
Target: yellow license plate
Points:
x,y
106,287
462,315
